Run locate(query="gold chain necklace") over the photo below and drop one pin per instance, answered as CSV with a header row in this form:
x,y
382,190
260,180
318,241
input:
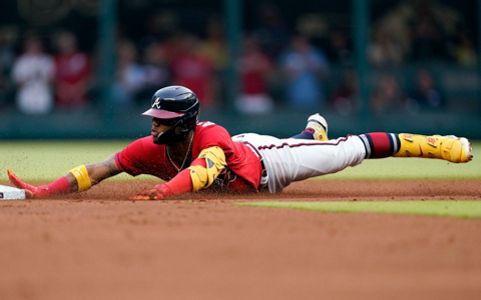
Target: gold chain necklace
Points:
x,y
189,149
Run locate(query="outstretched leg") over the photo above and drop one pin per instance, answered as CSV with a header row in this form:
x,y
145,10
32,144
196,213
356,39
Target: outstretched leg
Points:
x,y
289,160
374,145
384,144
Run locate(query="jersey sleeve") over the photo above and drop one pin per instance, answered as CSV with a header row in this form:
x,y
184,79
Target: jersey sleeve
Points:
x,y
129,159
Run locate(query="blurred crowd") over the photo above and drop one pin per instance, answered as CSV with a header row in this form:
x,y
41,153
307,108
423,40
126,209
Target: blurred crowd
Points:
x,y
279,66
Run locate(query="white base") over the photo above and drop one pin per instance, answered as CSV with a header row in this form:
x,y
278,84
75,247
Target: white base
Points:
x,y
11,193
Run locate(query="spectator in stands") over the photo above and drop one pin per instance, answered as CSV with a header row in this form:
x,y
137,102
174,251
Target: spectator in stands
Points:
x,y
427,41
255,68
72,72
130,75
33,72
425,95
156,70
214,45
387,96
304,67
384,52
344,98
339,47
193,69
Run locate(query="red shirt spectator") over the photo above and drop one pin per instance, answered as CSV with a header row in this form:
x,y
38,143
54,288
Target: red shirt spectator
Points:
x,y
72,72
194,70
255,68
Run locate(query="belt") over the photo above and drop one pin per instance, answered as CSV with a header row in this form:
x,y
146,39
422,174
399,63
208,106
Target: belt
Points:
x,y
264,175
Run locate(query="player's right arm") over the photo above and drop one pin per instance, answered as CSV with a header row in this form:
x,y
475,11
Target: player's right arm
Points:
x,y
82,177
78,179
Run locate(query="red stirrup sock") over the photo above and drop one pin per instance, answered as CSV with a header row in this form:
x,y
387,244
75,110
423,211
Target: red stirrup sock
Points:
x,y
59,186
380,144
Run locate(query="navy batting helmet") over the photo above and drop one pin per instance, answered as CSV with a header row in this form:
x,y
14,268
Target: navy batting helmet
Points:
x,y
175,106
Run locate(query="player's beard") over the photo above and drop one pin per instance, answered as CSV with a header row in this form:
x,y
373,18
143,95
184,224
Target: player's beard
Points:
x,y
170,136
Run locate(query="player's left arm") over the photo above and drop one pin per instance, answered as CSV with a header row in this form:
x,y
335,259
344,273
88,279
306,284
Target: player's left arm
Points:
x,y
199,175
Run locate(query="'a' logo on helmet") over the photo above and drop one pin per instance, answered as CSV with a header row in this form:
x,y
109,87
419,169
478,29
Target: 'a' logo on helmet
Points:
x,y
156,103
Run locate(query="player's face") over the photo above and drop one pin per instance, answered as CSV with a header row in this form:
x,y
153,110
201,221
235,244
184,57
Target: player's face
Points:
x,y
158,126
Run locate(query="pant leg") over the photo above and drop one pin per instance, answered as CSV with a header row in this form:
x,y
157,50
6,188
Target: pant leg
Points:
x,y
297,160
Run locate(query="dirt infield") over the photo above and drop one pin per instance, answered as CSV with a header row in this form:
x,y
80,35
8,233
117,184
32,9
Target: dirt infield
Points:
x,y
93,246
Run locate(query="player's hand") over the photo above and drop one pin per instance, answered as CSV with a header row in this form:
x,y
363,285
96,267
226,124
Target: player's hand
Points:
x,y
159,192
31,191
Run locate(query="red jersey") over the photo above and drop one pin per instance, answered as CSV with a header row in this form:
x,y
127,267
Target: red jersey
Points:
x,y
243,171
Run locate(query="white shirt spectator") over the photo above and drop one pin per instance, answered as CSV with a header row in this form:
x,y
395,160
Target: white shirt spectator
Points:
x,y
33,74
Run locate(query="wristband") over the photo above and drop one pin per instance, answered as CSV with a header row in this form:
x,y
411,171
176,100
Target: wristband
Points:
x,y
82,176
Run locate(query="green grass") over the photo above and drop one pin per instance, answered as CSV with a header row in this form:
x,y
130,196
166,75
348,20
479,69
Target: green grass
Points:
x,y
40,161
455,209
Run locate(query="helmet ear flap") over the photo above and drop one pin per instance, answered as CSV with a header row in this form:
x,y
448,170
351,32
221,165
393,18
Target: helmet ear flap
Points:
x,y
178,130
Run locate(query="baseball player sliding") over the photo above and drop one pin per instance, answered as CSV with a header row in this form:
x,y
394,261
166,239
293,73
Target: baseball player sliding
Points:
x,y
191,156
